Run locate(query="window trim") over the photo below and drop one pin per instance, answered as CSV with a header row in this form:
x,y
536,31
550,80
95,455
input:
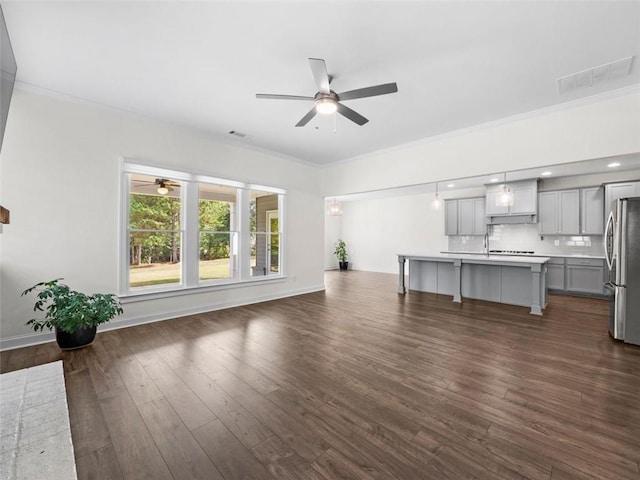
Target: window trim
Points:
x,y
176,292
189,196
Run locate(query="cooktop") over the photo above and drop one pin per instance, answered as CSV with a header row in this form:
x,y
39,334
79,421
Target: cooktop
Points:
x,y
514,252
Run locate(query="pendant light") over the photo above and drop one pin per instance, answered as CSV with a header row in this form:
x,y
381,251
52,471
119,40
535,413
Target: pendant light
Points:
x,y
505,197
335,208
435,204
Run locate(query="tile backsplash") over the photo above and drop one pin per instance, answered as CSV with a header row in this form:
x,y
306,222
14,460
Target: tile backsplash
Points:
x,y
526,237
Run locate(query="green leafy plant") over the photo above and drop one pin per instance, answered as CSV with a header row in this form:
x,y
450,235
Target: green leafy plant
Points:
x,y
341,250
68,310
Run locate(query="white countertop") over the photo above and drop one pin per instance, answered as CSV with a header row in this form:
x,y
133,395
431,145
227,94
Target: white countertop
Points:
x,y
551,255
475,258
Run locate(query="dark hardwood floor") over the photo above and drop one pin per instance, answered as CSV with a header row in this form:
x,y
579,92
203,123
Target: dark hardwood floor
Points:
x,y
357,383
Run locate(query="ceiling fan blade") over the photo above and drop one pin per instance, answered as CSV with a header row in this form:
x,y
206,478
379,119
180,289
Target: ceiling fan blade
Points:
x,y
369,91
319,71
304,120
282,97
351,115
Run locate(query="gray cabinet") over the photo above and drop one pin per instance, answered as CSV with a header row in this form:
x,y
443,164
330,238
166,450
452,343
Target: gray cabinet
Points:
x,y
524,199
571,212
492,207
451,217
465,216
435,277
471,217
559,212
548,213
479,216
613,191
525,196
592,211
482,281
555,274
584,275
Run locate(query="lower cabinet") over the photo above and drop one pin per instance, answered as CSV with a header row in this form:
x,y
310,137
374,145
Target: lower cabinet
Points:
x,y
555,274
585,275
576,275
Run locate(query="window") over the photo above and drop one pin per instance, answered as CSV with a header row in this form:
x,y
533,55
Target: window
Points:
x,y
154,232
181,230
265,233
217,231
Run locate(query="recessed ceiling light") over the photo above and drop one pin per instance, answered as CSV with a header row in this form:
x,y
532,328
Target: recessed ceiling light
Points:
x,y
451,185
546,174
613,164
494,180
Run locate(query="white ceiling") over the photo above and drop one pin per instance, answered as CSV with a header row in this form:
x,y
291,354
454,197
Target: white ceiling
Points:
x,y
200,64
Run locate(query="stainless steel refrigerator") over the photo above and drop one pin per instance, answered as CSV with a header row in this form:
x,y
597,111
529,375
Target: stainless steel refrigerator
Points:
x,y
622,251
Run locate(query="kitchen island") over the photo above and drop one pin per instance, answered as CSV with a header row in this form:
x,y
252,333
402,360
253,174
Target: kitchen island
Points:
x,y
514,280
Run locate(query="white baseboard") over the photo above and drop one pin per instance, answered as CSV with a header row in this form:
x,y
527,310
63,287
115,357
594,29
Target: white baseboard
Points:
x,y
20,341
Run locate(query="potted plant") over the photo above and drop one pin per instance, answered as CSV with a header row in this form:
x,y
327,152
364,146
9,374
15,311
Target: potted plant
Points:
x,y
74,315
341,253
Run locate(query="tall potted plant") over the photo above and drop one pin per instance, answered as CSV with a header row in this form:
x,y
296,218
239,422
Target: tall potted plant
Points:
x,y
341,253
75,316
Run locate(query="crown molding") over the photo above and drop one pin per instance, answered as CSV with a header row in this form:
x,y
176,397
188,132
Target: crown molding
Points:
x,y
620,92
28,87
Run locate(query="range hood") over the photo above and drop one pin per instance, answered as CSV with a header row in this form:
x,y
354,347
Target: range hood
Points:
x,y
524,208
511,219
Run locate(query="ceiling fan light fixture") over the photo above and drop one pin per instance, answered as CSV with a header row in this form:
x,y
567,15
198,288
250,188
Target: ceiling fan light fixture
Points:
x,y
162,190
326,106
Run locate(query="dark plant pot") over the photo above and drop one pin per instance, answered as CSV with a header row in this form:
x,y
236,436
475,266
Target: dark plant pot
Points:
x,y
78,339
344,265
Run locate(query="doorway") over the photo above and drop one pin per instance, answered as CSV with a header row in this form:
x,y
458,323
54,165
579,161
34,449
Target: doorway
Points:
x,y
273,242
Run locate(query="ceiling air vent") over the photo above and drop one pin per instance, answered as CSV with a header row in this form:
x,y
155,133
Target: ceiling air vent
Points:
x,y
595,76
235,133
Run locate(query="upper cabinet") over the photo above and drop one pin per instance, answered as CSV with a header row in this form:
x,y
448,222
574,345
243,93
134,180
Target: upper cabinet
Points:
x,y
559,212
591,213
614,191
451,217
471,217
492,207
571,212
465,216
524,199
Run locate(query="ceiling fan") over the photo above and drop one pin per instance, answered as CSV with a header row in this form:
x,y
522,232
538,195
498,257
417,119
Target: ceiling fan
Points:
x,y
327,101
164,185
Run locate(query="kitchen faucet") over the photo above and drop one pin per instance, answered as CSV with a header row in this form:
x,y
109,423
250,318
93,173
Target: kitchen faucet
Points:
x,y
485,242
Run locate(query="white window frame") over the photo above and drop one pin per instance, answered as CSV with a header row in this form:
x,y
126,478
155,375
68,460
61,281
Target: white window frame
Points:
x,y
190,235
